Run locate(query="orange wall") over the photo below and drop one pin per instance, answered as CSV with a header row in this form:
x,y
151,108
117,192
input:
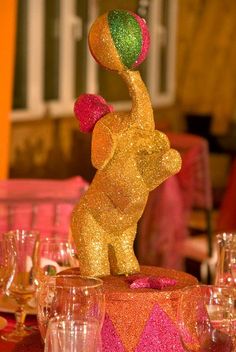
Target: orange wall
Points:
x,y
7,44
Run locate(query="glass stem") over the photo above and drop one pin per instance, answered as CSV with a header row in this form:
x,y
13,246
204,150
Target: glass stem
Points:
x,y
20,318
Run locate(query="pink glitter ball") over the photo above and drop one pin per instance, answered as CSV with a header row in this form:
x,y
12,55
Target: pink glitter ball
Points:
x,y
88,109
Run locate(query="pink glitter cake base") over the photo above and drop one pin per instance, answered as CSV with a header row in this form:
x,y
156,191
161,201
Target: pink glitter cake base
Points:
x,y
143,319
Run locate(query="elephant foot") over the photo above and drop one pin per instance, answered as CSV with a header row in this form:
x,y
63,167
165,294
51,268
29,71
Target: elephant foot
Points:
x,y
127,271
126,266
95,268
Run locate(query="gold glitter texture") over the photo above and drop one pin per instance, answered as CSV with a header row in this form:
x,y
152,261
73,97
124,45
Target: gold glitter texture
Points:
x,y
132,158
101,45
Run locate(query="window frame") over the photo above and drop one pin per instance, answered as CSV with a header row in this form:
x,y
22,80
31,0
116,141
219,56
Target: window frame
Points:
x,y
158,33
37,108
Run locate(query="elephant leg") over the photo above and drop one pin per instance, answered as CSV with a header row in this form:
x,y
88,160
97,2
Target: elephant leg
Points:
x,y
92,246
121,253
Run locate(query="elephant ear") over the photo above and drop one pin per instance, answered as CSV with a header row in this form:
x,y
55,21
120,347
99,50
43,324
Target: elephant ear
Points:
x,y
103,146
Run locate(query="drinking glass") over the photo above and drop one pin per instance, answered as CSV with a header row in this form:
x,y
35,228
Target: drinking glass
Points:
x,y
206,318
53,255
7,263
71,336
7,267
21,287
71,298
226,259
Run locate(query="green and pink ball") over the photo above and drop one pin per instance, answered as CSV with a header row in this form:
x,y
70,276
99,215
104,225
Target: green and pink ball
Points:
x,y
119,40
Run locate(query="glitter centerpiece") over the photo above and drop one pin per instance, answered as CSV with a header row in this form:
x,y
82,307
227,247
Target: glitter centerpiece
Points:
x,y
131,157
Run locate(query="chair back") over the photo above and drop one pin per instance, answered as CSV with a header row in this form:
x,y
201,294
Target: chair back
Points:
x,y
194,177
164,224
37,204
226,218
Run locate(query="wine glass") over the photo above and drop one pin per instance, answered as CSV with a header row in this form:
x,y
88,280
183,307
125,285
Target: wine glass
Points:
x,y
53,255
21,287
226,259
7,263
206,318
71,298
7,267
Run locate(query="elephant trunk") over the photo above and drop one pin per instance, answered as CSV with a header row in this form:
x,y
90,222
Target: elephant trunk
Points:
x,y
141,112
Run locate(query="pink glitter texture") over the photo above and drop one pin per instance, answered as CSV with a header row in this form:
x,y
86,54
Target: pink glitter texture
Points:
x,y
154,282
110,340
88,109
145,40
161,282
160,334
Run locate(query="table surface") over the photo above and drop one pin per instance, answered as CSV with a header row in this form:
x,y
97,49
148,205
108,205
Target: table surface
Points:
x,y
32,343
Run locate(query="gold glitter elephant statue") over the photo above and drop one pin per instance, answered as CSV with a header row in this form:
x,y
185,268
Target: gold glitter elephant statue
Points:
x,y
131,158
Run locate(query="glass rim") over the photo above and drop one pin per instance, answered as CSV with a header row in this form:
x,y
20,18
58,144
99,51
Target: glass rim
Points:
x,y
98,281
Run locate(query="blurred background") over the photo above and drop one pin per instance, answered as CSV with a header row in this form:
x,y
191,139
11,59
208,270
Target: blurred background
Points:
x,y
190,73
